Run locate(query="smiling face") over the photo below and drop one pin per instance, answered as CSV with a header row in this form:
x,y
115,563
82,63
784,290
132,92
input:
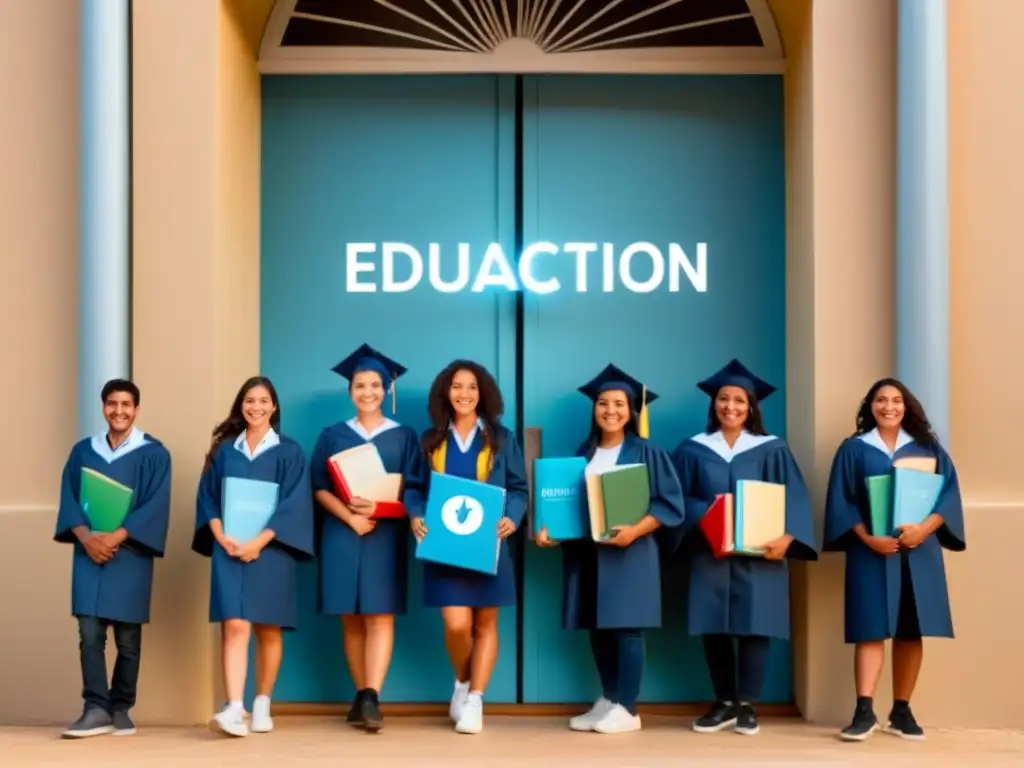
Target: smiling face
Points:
x,y
258,407
119,410
367,391
888,407
464,393
732,406
611,411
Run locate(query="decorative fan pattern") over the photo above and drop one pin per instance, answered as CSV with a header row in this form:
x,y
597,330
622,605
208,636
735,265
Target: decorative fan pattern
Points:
x,y
555,26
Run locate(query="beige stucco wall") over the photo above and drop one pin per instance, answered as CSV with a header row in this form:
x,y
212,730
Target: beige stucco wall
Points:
x,y
196,289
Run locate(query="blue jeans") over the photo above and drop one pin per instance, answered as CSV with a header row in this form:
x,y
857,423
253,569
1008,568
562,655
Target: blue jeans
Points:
x,y
120,694
619,656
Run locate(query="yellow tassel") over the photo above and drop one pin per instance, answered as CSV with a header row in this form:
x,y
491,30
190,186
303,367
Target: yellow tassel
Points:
x,y
644,426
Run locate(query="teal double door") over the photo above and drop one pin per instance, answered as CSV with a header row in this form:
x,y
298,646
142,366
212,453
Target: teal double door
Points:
x,y
353,166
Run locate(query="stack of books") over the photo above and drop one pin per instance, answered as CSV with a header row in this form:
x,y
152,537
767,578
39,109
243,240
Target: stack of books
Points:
x,y
905,496
742,523
573,505
462,519
105,502
359,472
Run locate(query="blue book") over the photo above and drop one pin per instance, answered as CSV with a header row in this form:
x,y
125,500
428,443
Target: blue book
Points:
x,y
914,496
560,498
462,519
246,507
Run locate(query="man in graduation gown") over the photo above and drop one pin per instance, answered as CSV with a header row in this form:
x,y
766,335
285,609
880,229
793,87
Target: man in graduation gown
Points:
x,y
112,570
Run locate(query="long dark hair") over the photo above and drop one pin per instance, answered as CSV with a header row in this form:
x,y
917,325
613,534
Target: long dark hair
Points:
x,y
235,423
915,421
754,423
489,408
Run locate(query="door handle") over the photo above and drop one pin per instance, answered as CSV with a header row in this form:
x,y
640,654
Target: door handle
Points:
x,y
532,449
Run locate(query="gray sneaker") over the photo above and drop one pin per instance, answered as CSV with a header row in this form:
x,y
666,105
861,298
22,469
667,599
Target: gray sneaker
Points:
x,y
93,722
123,725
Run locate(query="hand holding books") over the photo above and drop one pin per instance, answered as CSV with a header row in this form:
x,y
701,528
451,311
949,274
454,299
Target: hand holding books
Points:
x,y
620,536
776,548
543,540
506,528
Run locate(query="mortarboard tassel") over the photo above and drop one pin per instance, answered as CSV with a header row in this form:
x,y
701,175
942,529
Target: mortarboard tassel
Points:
x,y
644,426
392,396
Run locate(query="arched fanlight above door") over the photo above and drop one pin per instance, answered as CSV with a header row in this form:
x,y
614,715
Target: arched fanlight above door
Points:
x,y
521,36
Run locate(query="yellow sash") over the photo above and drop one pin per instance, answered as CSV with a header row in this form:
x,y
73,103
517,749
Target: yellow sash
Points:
x,y
484,461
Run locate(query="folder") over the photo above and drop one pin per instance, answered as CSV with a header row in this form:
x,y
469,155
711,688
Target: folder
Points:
x,y
359,472
717,525
621,495
559,498
914,495
105,502
462,519
760,515
880,504
246,507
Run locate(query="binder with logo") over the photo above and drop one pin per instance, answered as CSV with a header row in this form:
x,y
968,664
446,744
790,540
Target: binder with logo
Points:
x,y
560,498
462,519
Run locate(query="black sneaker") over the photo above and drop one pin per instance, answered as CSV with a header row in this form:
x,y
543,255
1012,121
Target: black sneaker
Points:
x,y
864,723
722,715
902,723
123,725
355,716
746,721
370,712
94,721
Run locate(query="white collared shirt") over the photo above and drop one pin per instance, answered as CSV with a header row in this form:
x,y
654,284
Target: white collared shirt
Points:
x,y
270,440
874,439
136,439
745,442
360,430
465,445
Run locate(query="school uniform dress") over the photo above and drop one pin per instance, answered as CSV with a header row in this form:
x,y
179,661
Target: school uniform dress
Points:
x,y
445,585
739,597
366,574
262,591
904,595
117,593
615,592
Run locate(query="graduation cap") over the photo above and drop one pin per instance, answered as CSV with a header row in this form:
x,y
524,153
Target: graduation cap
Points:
x,y
366,358
735,374
614,378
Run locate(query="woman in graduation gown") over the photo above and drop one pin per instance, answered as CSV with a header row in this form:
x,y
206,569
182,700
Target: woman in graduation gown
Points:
x,y
895,584
364,561
738,603
466,439
613,588
253,582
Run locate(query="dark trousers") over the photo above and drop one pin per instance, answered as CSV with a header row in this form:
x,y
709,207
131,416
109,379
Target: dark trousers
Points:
x,y
119,695
736,677
619,656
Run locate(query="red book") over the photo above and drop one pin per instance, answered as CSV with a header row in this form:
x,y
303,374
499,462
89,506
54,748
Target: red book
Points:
x,y
717,525
359,472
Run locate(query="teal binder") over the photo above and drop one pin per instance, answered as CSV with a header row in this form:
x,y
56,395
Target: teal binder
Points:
x,y
246,507
560,498
915,495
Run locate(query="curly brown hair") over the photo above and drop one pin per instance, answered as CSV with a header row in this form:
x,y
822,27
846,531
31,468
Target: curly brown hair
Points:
x,y
915,421
439,406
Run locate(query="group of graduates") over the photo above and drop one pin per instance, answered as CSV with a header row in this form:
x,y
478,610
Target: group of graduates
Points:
x,y
895,585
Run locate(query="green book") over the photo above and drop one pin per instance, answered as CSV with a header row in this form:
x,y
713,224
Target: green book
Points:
x,y
105,502
880,504
619,496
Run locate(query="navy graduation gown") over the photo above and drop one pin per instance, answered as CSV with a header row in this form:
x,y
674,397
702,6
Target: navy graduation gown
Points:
x,y
445,585
874,583
366,574
610,587
740,595
120,589
263,591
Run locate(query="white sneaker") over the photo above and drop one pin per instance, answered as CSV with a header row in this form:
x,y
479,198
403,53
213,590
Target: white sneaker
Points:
x,y
458,700
590,718
618,720
230,721
261,721
472,718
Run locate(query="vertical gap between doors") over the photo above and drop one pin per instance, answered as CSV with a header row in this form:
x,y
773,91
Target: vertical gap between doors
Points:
x,y
522,536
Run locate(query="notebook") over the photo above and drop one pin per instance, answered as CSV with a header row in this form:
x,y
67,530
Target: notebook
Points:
x,y
246,507
105,502
462,519
620,495
559,498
